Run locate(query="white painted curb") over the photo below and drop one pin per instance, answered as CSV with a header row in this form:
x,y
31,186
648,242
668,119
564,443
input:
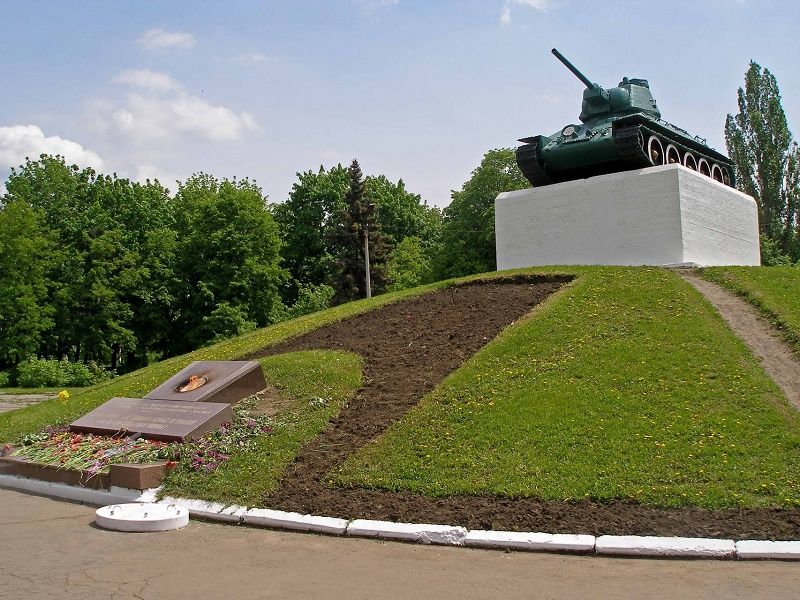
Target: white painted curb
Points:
x,y
524,540
292,520
416,532
89,496
748,549
634,545
196,508
644,546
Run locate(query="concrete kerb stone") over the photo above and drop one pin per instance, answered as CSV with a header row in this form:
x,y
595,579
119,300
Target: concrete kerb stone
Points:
x,y
89,496
518,540
644,546
766,549
291,520
416,532
634,545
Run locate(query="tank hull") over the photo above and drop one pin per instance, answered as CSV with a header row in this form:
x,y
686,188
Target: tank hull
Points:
x,y
616,144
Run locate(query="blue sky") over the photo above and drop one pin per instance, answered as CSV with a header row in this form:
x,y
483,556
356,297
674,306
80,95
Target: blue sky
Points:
x,y
414,89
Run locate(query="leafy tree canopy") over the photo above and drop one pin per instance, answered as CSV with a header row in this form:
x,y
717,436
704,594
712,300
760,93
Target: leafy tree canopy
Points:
x,y
227,259
468,240
766,159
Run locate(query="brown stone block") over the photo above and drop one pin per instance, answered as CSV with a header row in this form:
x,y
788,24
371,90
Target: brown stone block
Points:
x,y
213,381
138,477
25,468
155,419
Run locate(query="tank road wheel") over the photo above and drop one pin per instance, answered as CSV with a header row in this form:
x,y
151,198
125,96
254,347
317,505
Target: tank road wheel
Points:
x,y
703,167
655,151
673,155
689,161
717,173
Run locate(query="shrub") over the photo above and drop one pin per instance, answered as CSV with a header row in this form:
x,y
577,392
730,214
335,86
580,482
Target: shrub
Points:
x,y
311,298
5,379
43,372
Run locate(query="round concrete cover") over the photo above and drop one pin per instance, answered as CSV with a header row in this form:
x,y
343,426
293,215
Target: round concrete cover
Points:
x,y
142,516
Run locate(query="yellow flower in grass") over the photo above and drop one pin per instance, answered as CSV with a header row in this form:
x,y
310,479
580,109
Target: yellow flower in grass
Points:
x,y
63,396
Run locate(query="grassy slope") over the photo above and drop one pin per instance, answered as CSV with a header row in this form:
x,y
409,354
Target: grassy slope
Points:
x,y
775,291
315,385
625,385
15,424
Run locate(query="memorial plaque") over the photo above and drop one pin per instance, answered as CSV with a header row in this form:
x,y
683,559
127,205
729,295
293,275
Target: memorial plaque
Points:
x,y
165,420
213,381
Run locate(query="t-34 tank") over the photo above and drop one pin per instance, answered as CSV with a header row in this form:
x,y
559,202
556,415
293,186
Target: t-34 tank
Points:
x,y
621,129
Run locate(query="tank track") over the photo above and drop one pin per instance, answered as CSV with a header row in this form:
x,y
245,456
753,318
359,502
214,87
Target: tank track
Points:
x,y
528,163
630,146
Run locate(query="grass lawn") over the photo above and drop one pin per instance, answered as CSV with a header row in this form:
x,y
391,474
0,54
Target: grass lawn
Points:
x,y
315,385
626,384
775,291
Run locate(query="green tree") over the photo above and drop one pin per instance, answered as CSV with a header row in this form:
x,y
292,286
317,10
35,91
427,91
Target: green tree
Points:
x,y
766,159
401,213
468,239
91,267
227,260
306,221
25,314
409,265
353,222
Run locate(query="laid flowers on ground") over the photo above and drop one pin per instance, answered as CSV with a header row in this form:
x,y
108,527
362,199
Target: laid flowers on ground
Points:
x,y
57,446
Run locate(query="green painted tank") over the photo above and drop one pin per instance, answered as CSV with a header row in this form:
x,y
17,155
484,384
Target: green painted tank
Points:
x,y
620,129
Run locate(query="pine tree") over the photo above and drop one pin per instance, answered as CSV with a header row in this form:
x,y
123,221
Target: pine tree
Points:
x,y
347,242
766,159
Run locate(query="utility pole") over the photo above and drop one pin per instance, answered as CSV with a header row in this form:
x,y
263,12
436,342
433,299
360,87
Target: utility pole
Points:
x,y
369,211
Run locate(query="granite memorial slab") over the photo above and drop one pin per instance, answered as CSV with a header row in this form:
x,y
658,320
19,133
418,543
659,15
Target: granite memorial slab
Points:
x,y
213,381
166,420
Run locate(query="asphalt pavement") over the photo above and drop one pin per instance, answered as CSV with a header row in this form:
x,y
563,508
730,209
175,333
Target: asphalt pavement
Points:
x,y
51,549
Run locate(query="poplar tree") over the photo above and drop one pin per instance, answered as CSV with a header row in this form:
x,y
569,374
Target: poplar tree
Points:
x,y
766,159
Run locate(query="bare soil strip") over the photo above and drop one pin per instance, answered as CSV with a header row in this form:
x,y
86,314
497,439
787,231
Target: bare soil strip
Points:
x,y
408,348
777,358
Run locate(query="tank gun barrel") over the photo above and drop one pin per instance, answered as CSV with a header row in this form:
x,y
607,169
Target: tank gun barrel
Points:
x,y
572,68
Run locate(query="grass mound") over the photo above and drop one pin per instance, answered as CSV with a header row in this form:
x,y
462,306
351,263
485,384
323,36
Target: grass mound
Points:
x,y
775,291
627,384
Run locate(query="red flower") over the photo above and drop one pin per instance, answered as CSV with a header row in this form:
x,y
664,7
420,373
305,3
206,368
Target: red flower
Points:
x,y
171,464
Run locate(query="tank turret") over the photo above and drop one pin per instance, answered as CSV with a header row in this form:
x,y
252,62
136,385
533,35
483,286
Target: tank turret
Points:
x,y
621,129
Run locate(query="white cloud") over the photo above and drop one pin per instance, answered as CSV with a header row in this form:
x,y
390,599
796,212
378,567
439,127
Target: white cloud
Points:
x,y
160,39
147,79
505,11
158,108
20,141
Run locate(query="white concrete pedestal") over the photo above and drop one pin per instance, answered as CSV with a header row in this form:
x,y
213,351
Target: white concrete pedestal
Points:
x,y
656,216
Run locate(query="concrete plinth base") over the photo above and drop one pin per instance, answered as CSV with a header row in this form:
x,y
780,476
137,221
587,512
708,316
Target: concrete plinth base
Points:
x,y
664,215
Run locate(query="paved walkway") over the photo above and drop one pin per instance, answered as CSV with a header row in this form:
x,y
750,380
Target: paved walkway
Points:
x,y
50,549
15,401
